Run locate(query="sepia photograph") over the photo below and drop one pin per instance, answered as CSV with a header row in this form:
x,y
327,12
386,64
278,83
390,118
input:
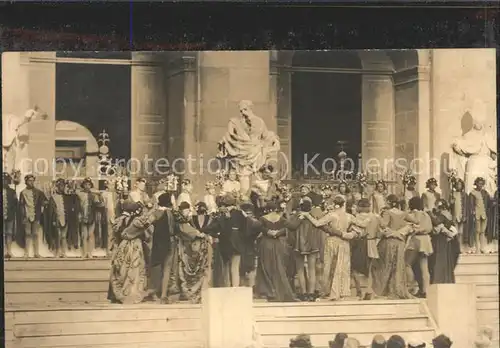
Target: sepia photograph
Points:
x,y
237,199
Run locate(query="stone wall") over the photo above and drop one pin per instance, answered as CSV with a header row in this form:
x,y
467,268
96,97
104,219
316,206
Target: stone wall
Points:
x,y
462,80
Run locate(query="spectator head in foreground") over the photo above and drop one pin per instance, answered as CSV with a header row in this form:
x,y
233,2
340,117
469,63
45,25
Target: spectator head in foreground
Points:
x,y
378,342
416,342
338,341
482,342
486,331
442,341
351,343
301,341
396,341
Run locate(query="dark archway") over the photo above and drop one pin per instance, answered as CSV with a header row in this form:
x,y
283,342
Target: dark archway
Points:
x,y
97,97
326,107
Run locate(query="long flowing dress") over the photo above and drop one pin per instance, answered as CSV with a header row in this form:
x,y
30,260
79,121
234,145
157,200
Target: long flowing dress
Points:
x,y
192,262
443,261
272,278
390,269
128,279
378,201
337,258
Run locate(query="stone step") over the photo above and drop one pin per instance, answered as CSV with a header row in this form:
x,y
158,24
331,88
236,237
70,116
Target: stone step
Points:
x,y
56,264
355,324
338,309
475,268
161,339
476,278
55,298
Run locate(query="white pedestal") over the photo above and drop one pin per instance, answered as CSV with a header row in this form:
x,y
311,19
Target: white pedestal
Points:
x,y
227,317
454,309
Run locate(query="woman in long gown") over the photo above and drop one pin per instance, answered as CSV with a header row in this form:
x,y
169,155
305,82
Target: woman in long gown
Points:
x,y
128,279
390,278
445,243
272,278
378,197
337,253
192,258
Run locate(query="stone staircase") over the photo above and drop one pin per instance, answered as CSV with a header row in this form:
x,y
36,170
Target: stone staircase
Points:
x,y
55,281
62,303
179,326
482,270
278,323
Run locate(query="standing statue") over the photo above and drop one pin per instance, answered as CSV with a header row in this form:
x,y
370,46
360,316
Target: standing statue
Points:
x,y
15,136
478,148
248,145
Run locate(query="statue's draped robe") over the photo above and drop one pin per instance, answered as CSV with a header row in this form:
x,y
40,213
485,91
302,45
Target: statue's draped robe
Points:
x,y
478,147
249,147
11,132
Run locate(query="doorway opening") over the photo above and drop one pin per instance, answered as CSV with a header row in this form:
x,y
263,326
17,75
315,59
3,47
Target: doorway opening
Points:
x,y
98,97
326,111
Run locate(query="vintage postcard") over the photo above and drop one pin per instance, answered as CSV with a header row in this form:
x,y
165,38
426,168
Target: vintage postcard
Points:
x,y
232,199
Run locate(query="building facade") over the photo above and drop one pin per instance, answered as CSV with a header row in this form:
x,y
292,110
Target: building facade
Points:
x,y
413,103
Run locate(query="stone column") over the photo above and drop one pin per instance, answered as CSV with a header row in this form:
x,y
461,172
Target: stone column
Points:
x,y
149,114
283,81
183,114
424,129
378,123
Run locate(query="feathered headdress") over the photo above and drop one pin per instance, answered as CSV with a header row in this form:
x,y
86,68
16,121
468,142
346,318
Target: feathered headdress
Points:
x,y
361,179
220,177
301,341
171,182
452,177
381,182
408,178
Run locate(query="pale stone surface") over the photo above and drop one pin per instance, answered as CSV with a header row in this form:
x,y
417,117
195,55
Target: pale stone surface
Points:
x,y
463,80
227,317
453,306
149,113
378,121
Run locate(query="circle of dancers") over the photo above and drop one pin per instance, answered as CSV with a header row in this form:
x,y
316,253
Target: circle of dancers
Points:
x,y
303,244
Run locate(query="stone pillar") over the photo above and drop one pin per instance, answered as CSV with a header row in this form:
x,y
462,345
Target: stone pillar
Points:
x,y
424,151
283,81
42,86
183,119
453,307
227,317
149,114
378,123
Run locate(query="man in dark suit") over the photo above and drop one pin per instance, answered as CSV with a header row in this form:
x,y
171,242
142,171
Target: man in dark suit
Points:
x,y
9,201
163,250
32,202
59,210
